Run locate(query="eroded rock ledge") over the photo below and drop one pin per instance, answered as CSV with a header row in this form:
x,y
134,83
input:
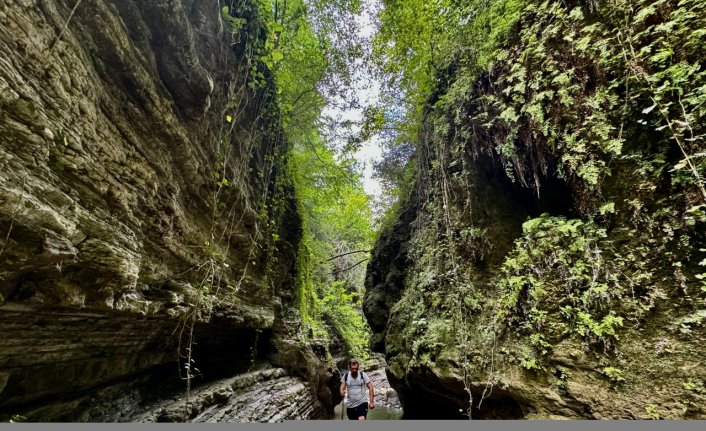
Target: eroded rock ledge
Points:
x,y
110,125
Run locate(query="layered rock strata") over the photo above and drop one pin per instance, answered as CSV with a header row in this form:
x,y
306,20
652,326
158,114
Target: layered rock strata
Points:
x,y
140,192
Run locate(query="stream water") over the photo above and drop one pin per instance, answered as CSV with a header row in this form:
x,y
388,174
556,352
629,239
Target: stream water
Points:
x,y
378,413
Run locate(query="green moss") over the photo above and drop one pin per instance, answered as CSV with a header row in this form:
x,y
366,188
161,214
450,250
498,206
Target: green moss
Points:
x,y
614,374
576,107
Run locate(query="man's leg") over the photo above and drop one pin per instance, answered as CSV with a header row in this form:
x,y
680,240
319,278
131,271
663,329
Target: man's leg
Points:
x,y
363,412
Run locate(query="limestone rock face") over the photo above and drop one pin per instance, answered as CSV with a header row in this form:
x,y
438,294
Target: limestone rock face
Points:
x,y
114,122
106,148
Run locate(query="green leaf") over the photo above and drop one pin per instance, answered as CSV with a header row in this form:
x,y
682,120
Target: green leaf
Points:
x,y
608,208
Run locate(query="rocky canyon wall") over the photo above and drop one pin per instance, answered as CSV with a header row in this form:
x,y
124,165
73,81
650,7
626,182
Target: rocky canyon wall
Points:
x,y
145,217
547,262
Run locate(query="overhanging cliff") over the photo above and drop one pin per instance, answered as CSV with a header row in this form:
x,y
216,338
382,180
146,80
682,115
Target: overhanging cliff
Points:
x,y
142,199
546,261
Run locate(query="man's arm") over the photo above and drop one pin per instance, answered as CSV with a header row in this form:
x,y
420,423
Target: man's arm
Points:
x,y
372,395
343,389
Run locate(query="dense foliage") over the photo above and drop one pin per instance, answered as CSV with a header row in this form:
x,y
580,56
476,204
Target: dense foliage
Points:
x,y
308,52
336,217
591,111
419,43
618,60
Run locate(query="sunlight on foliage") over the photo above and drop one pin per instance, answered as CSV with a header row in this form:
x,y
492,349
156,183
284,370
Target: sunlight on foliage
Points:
x,y
310,56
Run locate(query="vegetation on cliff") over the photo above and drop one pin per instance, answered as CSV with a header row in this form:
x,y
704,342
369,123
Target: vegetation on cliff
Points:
x,y
544,255
559,201
309,52
170,167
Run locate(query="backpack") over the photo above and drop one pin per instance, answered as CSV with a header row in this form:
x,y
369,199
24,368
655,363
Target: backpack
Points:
x,y
363,377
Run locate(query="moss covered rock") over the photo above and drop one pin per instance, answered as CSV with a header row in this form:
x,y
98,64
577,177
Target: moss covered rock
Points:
x,y
548,261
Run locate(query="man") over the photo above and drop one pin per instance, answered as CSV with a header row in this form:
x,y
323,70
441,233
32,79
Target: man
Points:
x,y
353,384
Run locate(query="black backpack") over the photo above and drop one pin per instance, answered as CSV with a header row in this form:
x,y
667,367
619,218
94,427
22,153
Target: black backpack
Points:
x,y
362,378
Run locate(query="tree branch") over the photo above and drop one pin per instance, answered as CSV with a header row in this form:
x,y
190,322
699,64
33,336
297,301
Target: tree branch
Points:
x,y
346,254
350,267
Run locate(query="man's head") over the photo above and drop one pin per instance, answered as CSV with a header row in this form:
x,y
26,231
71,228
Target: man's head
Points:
x,y
354,366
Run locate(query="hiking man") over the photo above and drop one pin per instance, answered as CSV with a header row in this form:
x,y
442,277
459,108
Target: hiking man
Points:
x,y
353,384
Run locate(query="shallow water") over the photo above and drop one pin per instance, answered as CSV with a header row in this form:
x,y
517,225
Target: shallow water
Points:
x,y
379,413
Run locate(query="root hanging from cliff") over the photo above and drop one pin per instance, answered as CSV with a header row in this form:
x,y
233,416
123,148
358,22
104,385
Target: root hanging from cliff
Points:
x,y
233,198
14,217
66,25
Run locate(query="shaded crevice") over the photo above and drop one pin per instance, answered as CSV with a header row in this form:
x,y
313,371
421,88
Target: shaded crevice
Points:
x,y
86,366
222,353
425,395
490,187
426,405
486,199
386,271
104,402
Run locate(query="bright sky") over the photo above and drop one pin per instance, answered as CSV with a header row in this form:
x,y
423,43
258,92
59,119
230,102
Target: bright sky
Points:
x,y
367,91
